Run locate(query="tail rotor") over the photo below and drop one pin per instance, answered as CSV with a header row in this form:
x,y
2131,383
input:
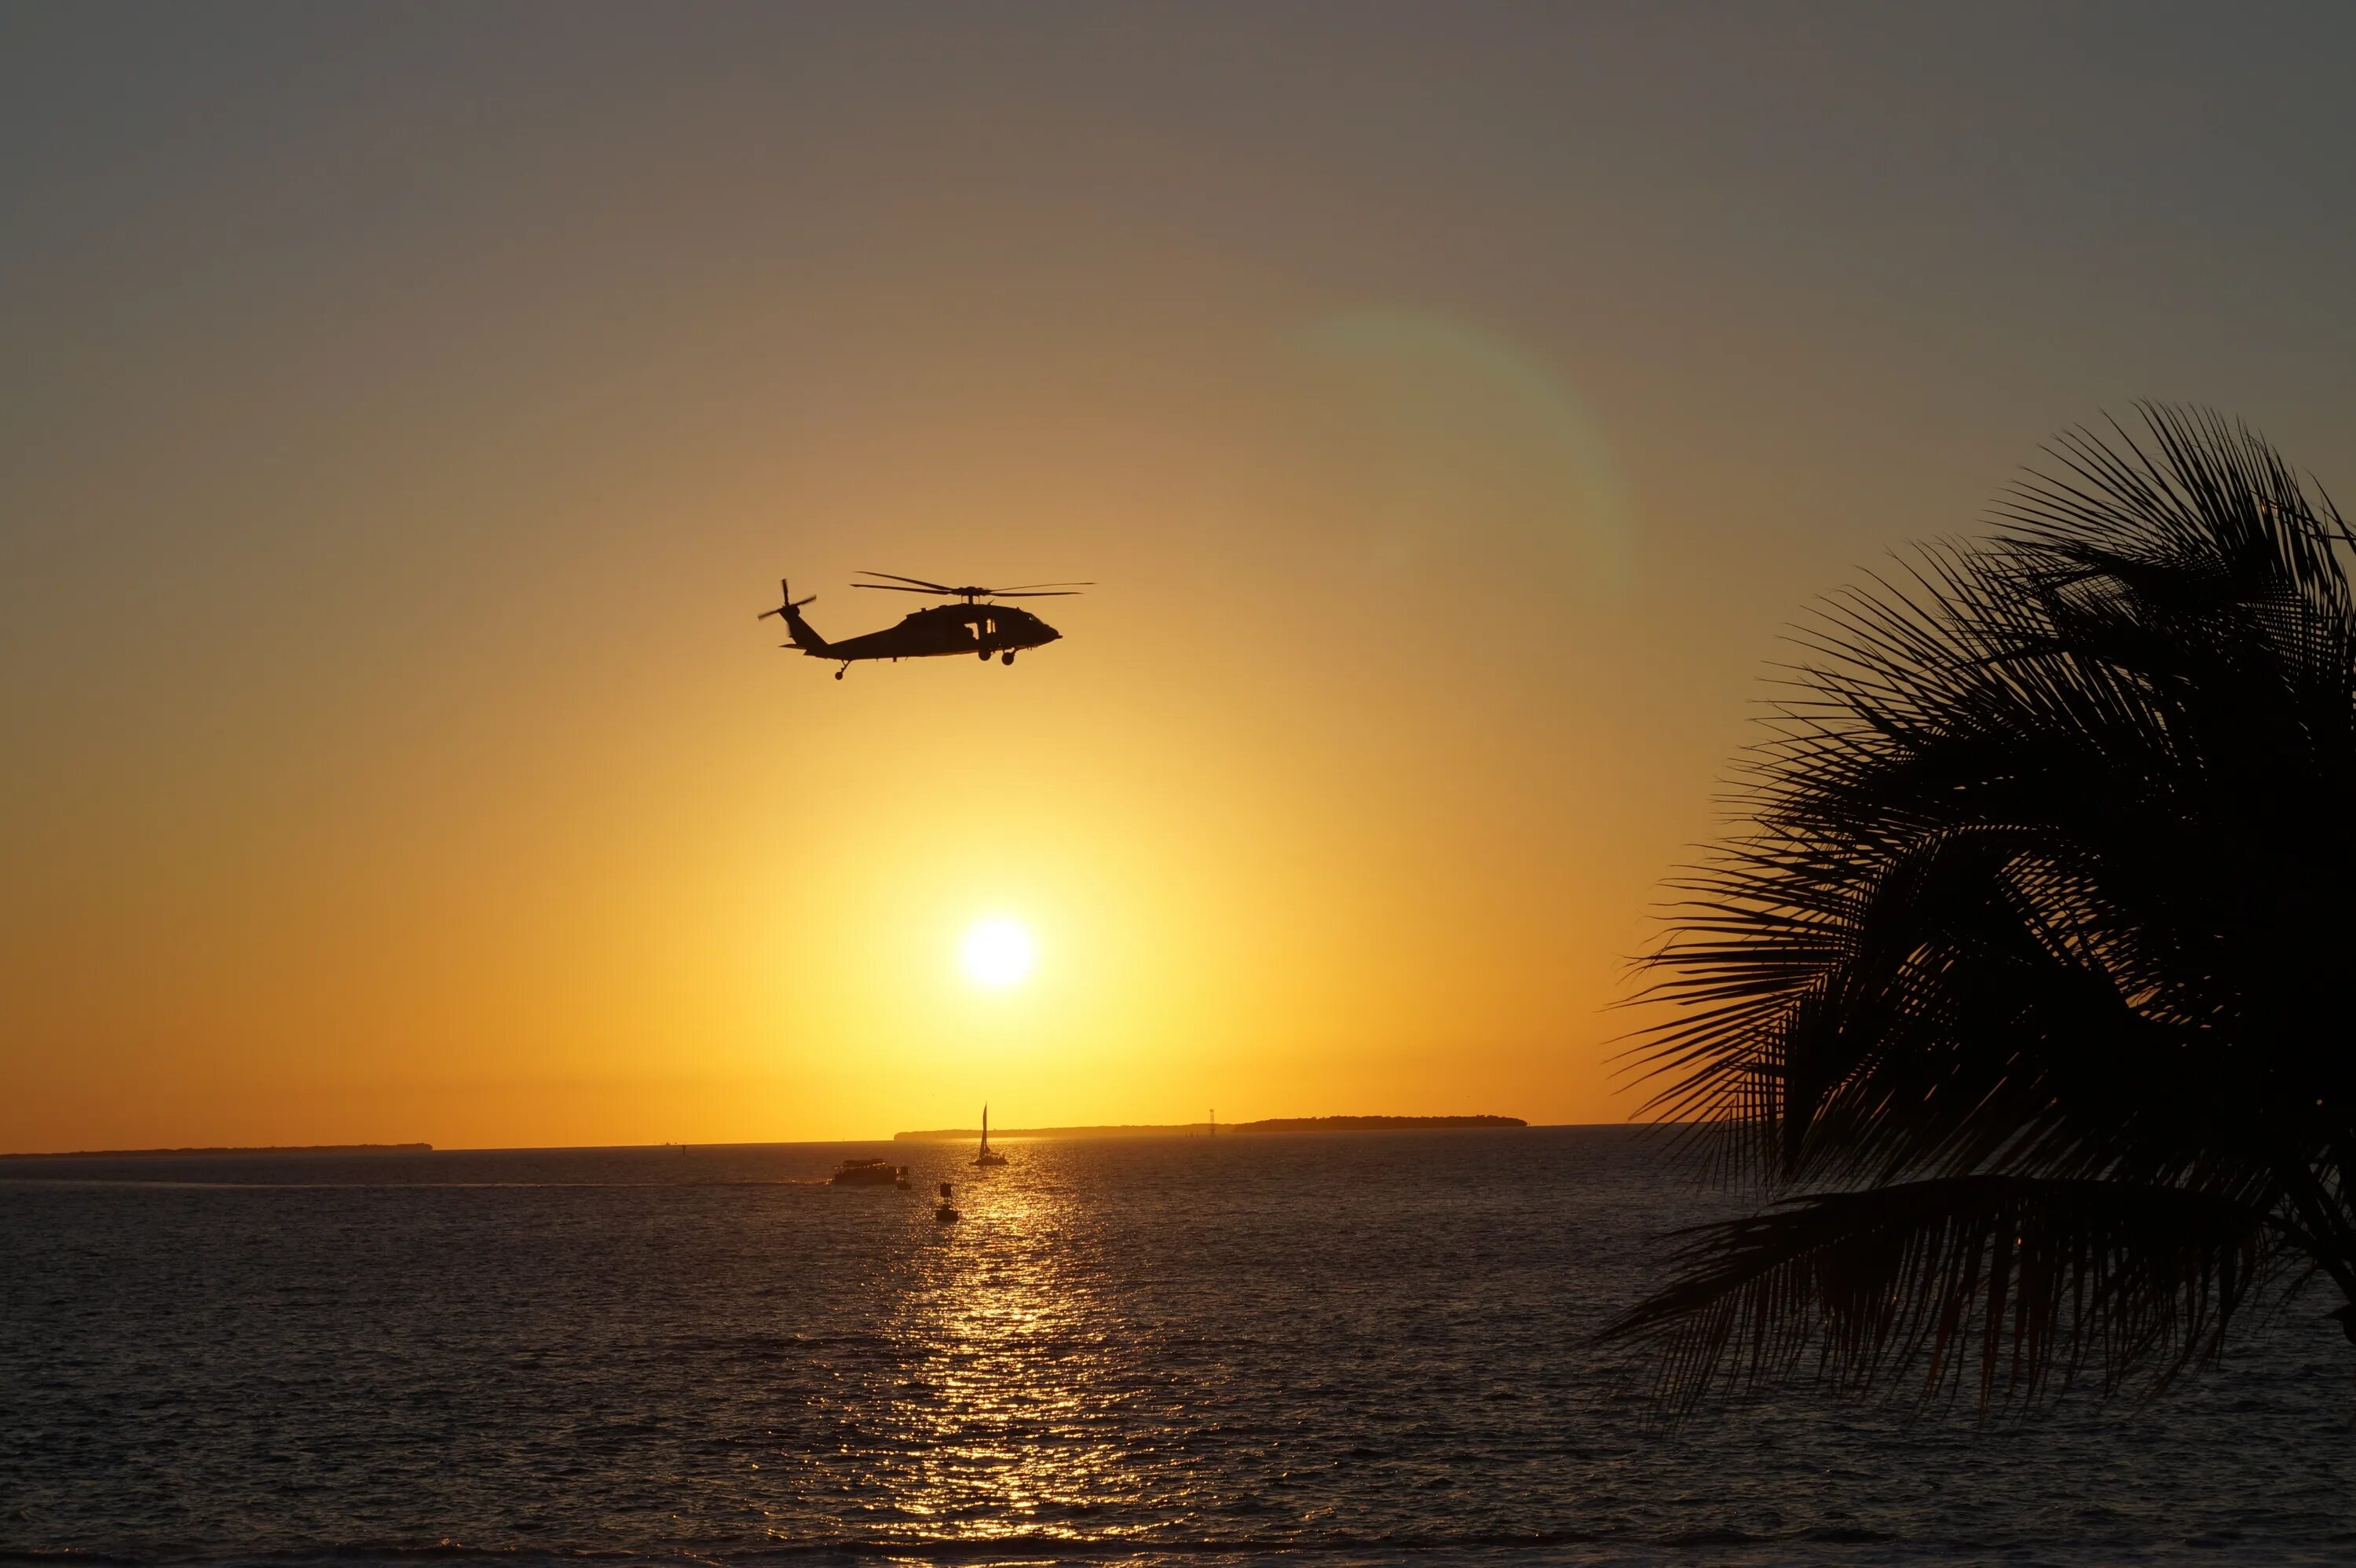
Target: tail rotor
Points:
x,y
799,634
787,604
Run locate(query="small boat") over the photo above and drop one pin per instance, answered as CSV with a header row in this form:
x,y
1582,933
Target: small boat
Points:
x,y
943,1214
986,1157
868,1173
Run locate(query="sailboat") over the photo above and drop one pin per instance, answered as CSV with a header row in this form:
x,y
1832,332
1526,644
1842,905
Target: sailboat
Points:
x,y
985,1157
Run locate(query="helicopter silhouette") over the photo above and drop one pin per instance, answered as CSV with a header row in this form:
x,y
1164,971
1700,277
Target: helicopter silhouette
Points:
x,y
973,626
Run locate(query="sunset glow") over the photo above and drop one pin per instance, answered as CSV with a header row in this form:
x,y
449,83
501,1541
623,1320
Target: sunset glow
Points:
x,y
397,754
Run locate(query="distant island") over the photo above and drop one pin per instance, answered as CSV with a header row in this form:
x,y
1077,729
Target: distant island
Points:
x,y
216,1153
1197,1129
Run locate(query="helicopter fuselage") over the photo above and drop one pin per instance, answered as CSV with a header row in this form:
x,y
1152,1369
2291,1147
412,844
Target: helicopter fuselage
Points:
x,y
978,630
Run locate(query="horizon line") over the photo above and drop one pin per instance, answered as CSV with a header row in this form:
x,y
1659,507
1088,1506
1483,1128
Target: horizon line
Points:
x,y
196,1151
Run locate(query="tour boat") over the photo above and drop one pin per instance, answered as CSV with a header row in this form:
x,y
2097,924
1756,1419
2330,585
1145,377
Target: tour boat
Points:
x,y
869,1173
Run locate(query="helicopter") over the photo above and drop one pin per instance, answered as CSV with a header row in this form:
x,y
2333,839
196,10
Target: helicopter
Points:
x,y
973,626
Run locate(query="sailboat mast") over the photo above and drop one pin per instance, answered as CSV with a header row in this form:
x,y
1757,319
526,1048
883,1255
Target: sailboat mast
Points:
x,y
985,1129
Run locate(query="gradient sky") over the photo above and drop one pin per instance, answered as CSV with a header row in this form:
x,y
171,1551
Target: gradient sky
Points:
x,y
406,409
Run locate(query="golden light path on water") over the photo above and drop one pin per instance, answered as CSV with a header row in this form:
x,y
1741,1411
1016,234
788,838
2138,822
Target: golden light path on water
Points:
x,y
1018,1367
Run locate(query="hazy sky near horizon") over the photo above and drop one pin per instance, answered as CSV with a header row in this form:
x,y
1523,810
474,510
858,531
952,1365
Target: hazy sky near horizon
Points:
x,y
406,410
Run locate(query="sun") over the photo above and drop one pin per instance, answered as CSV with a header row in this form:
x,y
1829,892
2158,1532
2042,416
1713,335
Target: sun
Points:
x,y
997,953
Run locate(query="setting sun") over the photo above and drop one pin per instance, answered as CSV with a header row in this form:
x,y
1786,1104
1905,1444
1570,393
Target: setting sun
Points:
x,y
997,953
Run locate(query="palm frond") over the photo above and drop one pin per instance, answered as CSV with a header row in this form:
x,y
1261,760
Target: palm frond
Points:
x,y
1991,1287
2043,879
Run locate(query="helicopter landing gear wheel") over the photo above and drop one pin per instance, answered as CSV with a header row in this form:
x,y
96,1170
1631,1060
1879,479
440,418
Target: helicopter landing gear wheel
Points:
x,y
1006,657
841,673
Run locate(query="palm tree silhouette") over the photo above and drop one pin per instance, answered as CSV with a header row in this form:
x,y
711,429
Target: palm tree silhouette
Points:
x,y
2022,987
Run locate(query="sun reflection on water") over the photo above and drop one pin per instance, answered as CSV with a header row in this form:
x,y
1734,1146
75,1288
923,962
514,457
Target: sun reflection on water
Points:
x,y
1015,1366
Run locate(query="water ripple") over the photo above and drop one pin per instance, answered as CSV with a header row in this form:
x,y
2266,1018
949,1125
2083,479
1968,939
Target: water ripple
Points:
x,y
1352,1348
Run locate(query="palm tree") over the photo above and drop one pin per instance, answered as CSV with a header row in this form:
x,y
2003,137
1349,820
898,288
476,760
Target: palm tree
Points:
x,y
2021,989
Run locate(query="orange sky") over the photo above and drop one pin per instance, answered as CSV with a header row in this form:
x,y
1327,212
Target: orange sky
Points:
x,y
407,415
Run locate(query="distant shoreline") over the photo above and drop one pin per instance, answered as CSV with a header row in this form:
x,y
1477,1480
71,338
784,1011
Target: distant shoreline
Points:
x,y
223,1150
1197,1129
935,1135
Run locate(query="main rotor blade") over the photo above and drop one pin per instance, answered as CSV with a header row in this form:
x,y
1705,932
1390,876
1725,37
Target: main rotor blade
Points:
x,y
896,588
936,587
1026,587
1048,594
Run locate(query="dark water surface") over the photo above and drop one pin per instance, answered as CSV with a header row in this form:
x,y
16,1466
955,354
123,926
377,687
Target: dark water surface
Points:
x,y
1340,1348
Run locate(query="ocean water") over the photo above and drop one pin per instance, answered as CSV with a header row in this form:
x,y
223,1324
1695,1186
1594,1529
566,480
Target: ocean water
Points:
x,y
1338,1348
